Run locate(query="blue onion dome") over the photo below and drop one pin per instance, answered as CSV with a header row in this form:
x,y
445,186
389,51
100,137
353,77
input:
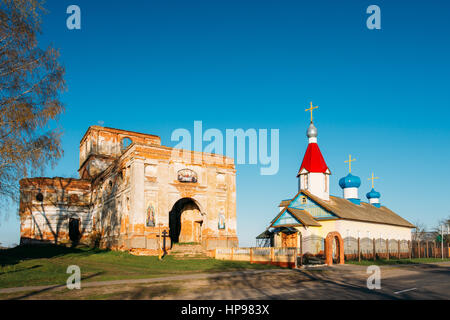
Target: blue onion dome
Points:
x,y
350,181
373,194
312,131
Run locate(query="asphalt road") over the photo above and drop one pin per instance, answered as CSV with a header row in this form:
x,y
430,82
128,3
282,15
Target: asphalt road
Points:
x,y
426,281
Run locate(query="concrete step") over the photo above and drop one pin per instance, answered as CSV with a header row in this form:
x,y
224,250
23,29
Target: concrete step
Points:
x,y
188,251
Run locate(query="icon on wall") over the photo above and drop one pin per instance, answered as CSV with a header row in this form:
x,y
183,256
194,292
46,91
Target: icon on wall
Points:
x,y
221,224
150,216
187,175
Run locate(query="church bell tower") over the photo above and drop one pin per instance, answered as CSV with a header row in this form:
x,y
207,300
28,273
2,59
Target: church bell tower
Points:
x,y
314,175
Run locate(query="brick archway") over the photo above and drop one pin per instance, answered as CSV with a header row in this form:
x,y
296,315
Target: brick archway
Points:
x,y
334,236
185,221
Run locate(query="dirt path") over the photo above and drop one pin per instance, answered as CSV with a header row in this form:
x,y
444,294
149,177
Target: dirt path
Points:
x,y
37,290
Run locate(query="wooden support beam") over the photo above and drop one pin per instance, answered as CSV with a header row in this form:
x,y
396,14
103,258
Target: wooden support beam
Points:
x,y
359,249
387,248
374,250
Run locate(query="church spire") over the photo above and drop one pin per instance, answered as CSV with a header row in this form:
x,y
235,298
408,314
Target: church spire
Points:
x,y
314,173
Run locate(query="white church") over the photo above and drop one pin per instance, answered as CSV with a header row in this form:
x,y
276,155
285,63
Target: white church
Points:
x,y
329,225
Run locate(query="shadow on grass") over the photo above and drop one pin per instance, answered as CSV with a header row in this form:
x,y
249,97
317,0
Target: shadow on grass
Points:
x,y
21,270
45,251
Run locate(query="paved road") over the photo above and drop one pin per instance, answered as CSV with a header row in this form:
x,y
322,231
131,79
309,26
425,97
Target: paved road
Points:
x,y
425,281
431,281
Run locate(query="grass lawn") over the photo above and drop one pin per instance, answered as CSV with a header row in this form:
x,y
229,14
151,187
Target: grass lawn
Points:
x,y
47,265
380,262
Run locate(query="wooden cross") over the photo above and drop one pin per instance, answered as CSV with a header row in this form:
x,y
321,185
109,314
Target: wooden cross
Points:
x,y
164,235
373,178
311,110
350,160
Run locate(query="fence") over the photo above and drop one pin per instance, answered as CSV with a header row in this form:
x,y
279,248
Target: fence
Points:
x,y
284,257
312,249
371,249
430,249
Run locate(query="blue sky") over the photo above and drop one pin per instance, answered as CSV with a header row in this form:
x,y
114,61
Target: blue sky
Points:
x,y
383,95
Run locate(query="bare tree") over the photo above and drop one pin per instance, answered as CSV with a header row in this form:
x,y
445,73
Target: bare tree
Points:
x,y
437,230
31,80
419,232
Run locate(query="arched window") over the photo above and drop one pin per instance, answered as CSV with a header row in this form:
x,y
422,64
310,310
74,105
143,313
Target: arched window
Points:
x,y
305,181
150,216
40,197
125,143
221,224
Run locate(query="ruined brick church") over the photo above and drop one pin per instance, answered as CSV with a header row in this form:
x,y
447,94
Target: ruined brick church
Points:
x,y
131,189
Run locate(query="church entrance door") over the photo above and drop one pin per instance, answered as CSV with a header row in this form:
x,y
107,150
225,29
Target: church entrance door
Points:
x,y
289,240
185,222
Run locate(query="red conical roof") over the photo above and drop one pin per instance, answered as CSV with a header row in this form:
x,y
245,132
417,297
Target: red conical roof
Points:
x,y
313,160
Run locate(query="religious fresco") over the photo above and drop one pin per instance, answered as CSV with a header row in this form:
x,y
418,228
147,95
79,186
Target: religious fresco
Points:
x,y
150,221
221,224
187,175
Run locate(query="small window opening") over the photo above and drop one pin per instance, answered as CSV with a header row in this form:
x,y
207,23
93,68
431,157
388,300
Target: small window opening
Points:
x,y
125,143
303,200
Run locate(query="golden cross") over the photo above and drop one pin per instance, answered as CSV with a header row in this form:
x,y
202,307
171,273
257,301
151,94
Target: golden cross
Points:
x,y
350,160
373,178
311,110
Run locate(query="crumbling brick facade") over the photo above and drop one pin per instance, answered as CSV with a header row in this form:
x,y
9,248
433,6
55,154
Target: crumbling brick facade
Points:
x,y
131,188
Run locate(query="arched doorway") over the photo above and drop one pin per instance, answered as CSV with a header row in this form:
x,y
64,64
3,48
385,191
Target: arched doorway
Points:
x,y
185,222
334,249
74,230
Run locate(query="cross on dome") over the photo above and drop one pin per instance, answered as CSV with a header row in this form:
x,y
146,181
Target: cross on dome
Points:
x,y
311,110
350,160
373,178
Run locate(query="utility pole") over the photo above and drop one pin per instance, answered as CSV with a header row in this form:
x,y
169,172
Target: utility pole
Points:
x,y
442,240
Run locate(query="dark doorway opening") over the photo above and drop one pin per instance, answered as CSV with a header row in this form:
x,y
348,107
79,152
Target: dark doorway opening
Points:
x,y
185,222
74,230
